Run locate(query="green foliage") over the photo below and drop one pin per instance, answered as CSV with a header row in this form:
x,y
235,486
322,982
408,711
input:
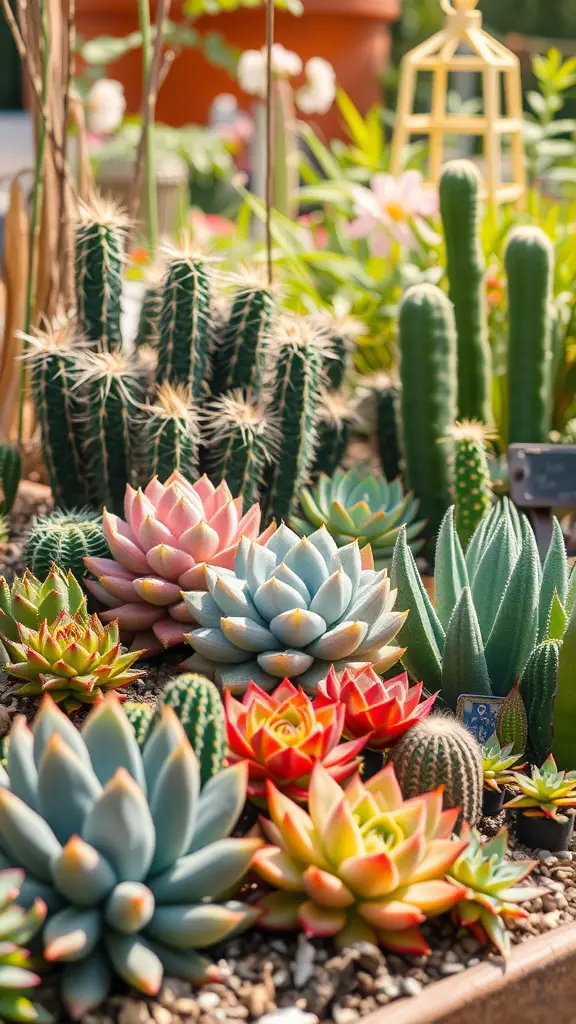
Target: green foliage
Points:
x,y
547,792
242,440
564,715
240,358
16,978
512,724
64,538
98,259
10,475
472,490
169,434
199,708
538,689
496,763
184,331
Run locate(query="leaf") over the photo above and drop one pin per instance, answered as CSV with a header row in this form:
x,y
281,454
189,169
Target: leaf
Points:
x,y
25,836
565,700
67,789
111,742
353,119
422,634
120,827
221,802
554,578
494,571
85,984
173,805
464,668
450,575
557,620
207,873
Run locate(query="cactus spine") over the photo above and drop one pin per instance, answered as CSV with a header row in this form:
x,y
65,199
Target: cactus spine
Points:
x,y
149,321
10,475
472,491
241,355
65,538
439,751
299,363
512,724
387,397
197,703
537,688
427,336
333,432
184,331
242,439
169,434
529,266
99,258
460,210
140,717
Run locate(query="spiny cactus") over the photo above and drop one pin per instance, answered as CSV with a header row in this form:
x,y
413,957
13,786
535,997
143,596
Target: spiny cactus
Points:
x,y
387,396
242,438
99,241
52,355
141,717
63,538
439,751
240,356
529,266
149,321
10,475
512,725
564,711
427,337
460,209
341,332
168,434
295,399
334,417
537,689
197,704
184,331
472,491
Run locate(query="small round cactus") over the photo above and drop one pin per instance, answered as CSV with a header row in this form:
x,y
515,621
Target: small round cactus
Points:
x,y
140,717
197,704
439,751
64,539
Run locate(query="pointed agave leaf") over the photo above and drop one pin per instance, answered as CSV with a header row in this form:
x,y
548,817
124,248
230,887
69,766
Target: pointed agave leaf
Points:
x,y
111,742
120,827
450,574
86,984
422,633
166,736
481,538
464,668
189,966
554,578
190,927
67,789
493,574
72,934
173,805
220,805
82,874
49,720
23,775
26,837
207,873
134,962
565,700
571,594
557,620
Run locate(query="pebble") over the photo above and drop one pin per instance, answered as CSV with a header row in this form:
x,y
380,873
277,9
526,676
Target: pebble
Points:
x,y
545,855
161,1015
447,968
409,987
389,987
344,1014
208,1001
565,855
133,1012
303,966
186,1005
289,1015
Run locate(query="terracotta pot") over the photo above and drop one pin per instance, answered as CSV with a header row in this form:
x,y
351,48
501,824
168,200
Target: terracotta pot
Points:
x,y
352,34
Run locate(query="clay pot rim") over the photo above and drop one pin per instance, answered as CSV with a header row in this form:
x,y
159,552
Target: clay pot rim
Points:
x,y
385,10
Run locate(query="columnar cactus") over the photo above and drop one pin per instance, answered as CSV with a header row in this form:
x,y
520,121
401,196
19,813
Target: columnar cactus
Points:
x,y
198,706
472,491
99,241
439,751
427,337
460,209
10,475
241,353
149,321
529,268
184,331
538,689
340,332
333,432
64,539
168,434
388,400
512,725
242,438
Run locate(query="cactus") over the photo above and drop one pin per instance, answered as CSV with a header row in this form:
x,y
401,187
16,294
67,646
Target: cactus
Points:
x,y
169,434
241,355
295,399
99,241
149,321
537,689
472,491
530,267
427,338
10,476
242,439
460,211
387,395
340,332
141,717
64,538
564,715
184,331
512,723
197,704
53,367
439,751
333,432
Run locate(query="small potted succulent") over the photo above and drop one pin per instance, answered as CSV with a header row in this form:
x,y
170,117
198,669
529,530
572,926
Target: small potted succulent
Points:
x,y
496,764
545,807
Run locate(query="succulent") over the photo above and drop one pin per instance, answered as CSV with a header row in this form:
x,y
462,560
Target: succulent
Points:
x,y
64,538
99,242
141,717
358,505
512,724
240,358
28,602
492,895
16,978
290,609
363,865
169,433
380,709
171,533
439,751
564,700
129,857
546,792
184,326
198,706
242,438
282,735
10,476
472,490
497,762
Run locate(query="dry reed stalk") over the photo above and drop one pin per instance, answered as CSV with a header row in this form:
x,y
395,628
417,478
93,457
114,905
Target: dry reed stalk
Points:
x,y
15,277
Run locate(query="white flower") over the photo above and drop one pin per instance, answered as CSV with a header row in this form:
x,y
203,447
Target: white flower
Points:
x,y
317,96
105,106
391,209
251,69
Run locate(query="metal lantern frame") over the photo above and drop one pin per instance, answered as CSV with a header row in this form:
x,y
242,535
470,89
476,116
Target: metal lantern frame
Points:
x,y
497,66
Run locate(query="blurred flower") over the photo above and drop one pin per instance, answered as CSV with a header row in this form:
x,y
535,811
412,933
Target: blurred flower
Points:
x,y
207,226
105,106
313,224
317,96
393,210
494,288
252,68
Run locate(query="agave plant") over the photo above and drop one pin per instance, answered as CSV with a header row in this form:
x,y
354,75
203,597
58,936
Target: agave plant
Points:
x,y
358,505
290,609
363,865
497,763
74,660
492,893
171,533
381,710
28,602
16,978
282,736
546,792
128,855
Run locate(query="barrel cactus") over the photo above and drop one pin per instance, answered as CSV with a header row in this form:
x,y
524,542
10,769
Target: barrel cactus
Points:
x,y
64,538
141,717
129,857
197,704
292,608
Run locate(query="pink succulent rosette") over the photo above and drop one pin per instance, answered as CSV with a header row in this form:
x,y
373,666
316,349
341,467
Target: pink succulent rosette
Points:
x,y
383,709
171,532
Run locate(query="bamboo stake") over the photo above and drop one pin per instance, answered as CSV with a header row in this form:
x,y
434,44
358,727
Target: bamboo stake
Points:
x,y
269,153
149,168
15,276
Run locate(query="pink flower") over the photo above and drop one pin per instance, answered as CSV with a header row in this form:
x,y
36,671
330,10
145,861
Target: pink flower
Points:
x,y
393,210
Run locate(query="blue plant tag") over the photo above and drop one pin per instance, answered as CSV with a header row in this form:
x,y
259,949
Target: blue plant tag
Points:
x,y
479,714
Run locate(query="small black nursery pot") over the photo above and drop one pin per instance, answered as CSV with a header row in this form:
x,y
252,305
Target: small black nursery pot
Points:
x,y
492,801
545,833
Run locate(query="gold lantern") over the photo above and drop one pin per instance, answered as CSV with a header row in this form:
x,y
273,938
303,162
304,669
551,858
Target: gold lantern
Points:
x,y
463,45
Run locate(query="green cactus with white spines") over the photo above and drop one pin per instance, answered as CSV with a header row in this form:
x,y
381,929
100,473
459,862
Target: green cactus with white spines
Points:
x,y
472,490
64,538
197,704
130,858
340,332
241,354
99,242
16,978
149,320
169,434
242,438
184,332
298,355
141,718
334,418
438,751
10,476
53,360
538,689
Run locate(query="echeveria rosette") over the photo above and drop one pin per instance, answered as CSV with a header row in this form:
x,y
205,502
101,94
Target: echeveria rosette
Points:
x,y
129,856
357,505
29,601
292,608
170,533
363,865
18,926
492,890
546,792
381,710
497,764
282,735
